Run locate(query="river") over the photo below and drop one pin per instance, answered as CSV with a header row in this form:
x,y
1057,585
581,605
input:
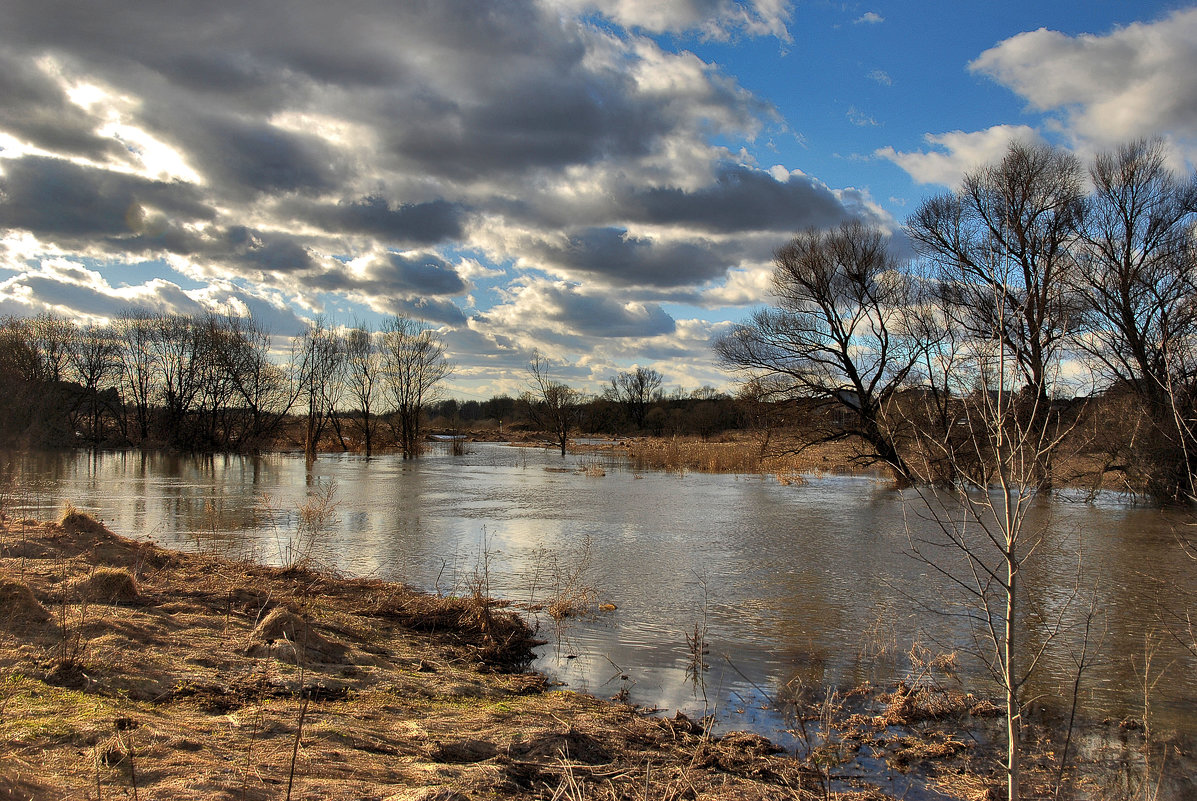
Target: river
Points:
x,y
811,583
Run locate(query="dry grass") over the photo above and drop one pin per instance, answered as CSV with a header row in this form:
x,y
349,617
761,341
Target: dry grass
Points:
x,y
682,455
593,469
784,458
22,611
107,585
571,593
73,521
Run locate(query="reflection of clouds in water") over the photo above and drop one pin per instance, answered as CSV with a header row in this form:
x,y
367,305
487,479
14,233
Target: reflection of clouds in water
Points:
x,y
788,580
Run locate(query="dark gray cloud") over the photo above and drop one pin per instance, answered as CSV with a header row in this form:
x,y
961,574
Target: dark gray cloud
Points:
x,y
404,224
430,309
741,199
428,275
271,253
619,258
57,198
552,117
539,307
254,156
393,275
36,111
602,316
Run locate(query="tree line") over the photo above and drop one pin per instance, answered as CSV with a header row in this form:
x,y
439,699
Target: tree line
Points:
x,y
211,382
216,383
1039,284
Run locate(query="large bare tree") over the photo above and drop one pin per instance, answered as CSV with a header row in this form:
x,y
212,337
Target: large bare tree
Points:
x,y
177,346
840,333
414,364
135,331
261,390
1137,271
363,378
320,356
1007,232
94,358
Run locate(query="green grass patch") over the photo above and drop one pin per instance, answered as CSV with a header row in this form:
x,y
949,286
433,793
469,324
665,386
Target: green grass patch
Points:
x,y
31,710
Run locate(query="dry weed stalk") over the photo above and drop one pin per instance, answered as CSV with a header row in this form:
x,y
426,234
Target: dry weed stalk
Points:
x,y
593,469
72,644
573,595
313,519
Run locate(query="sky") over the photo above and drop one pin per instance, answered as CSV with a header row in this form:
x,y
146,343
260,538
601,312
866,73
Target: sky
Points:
x,y
602,181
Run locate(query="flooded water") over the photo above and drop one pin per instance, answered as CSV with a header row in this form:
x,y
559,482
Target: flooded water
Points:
x,y
810,583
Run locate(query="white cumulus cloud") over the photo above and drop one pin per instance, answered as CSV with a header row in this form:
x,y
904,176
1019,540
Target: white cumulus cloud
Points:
x,y
1138,80
956,152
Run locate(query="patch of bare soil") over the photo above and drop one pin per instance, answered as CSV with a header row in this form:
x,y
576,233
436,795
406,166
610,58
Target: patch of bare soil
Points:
x,y
130,671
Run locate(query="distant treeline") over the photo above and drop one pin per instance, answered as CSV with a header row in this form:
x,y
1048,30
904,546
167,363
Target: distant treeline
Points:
x,y
703,412
211,383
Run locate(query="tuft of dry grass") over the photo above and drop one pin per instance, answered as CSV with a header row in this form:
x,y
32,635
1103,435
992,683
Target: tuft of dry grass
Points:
x,y
23,612
74,521
572,594
107,585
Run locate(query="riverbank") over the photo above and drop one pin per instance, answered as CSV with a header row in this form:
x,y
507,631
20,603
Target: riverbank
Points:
x,y
788,458
134,671
129,670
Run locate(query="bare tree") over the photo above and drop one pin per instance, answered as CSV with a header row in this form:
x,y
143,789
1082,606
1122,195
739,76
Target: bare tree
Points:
x,y
262,391
23,402
135,331
552,405
635,390
983,530
177,347
1006,233
413,365
320,359
1137,270
363,377
93,355
51,338
840,333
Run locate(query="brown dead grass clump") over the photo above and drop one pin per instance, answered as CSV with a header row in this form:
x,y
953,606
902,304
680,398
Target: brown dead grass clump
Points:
x,y
565,606
500,637
107,585
75,522
286,636
22,612
908,705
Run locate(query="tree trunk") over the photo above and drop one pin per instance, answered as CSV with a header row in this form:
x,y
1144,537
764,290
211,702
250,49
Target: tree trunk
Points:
x,y
1010,644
